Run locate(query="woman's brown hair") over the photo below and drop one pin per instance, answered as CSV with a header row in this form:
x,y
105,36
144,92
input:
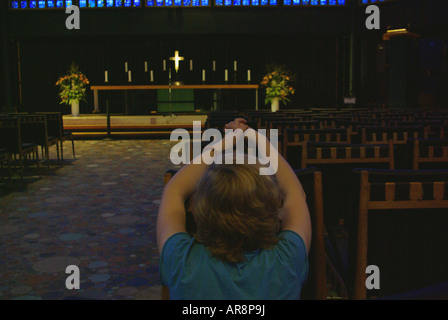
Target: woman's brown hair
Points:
x,y
236,210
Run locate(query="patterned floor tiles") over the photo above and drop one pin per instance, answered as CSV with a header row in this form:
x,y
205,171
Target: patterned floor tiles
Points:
x,y
97,212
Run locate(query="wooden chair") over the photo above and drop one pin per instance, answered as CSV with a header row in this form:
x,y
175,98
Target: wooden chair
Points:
x,y
5,156
320,265
316,286
398,135
425,151
12,140
418,196
316,153
35,129
296,138
55,125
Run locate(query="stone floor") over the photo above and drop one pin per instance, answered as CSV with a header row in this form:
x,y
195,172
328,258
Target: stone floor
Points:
x,y
97,212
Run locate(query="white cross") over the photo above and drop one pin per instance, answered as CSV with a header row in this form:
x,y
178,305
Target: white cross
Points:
x,y
176,59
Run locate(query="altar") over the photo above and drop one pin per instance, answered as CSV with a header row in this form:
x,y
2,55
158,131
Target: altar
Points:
x,y
125,88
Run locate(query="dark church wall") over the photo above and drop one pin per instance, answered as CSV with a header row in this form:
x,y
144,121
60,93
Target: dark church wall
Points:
x,y
313,42
306,41
426,70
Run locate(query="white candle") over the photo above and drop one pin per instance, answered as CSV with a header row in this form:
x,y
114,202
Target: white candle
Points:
x,y
225,75
191,65
164,65
214,65
248,75
234,65
152,76
106,79
203,75
146,66
129,76
125,67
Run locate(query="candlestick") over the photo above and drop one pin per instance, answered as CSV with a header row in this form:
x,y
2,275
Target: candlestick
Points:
x,y
214,65
203,75
226,75
129,76
248,75
106,78
164,65
234,65
152,76
191,65
125,67
146,66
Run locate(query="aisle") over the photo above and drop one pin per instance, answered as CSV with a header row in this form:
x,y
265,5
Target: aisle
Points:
x,y
97,212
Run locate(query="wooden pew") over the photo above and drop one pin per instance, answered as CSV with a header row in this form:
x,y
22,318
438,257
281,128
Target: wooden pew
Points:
x,y
396,199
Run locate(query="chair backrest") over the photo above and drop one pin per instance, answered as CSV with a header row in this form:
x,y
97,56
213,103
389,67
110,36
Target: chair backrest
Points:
x,y
34,129
398,135
54,123
316,285
315,153
411,257
429,151
299,137
10,134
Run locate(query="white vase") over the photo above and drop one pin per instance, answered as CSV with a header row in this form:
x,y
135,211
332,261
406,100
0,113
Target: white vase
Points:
x,y
75,108
275,104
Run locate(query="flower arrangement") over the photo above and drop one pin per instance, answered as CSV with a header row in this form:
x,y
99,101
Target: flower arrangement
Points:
x,y
72,86
277,83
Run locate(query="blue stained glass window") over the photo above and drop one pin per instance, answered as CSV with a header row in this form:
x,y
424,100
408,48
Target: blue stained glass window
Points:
x,y
82,3
137,3
92,3
287,2
204,2
237,2
118,3
150,3
314,2
169,3
295,2
246,2
178,2
324,2
227,2
109,3
23,4
218,2
264,2
187,2
331,2
342,2
255,2
159,3
32,4
305,1
15,4
273,2
127,3
68,3
59,4
41,4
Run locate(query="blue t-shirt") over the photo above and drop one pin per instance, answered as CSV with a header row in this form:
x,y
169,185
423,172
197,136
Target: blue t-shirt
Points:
x,y
190,272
